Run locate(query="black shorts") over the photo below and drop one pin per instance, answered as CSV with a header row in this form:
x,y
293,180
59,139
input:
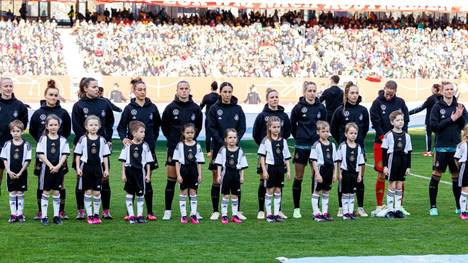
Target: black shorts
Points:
x,y
397,165
444,159
231,183
2,164
327,176
348,182
189,175
20,184
463,177
135,183
214,152
170,154
91,178
275,176
48,181
301,156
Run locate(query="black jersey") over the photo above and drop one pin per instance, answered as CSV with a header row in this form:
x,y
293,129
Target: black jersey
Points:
x,y
260,125
304,117
10,110
38,118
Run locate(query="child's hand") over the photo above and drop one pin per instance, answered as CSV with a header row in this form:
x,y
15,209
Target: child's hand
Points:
x,y
55,169
334,178
408,171
79,172
127,141
385,171
265,176
319,178
147,178
288,174
341,177
124,178
106,173
359,178
200,179
241,179
218,180
11,174
179,179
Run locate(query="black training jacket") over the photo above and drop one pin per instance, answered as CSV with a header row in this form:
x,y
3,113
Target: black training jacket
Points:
x,y
12,109
223,116
345,114
260,124
303,119
447,132
37,125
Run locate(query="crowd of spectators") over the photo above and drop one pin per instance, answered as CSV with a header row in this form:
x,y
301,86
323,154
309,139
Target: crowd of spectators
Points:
x,y
283,50
30,48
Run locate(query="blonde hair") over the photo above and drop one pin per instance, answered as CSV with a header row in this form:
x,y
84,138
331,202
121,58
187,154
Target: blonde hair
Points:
x,y
90,118
464,134
306,84
395,114
322,125
16,124
135,125
351,125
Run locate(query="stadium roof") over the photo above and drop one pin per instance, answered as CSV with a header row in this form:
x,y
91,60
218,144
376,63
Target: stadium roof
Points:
x,y
452,6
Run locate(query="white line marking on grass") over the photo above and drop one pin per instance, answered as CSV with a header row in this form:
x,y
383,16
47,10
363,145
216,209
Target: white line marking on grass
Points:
x,y
427,178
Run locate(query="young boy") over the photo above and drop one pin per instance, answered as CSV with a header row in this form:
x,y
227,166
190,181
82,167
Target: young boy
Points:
x,y
16,155
136,170
322,158
396,153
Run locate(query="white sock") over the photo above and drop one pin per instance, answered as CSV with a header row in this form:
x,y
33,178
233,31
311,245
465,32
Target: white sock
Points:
x,y
268,204
140,204
398,197
182,205
193,205
44,205
390,201
129,204
235,206
20,200
344,202
462,201
56,204
350,203
96,204
277,202
13,204
325,203
224,206
87,204
315,201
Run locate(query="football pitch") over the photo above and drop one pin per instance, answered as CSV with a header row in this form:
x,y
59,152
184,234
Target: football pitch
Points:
x,y
252,241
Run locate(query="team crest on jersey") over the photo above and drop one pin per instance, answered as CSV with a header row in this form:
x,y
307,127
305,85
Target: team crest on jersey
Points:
x,y
190,156
93,148
151,116
42,117
236,117
278,149
53,149
304,109
328,155
135,153
383,107
85,110
103,113
319,115
231,162
192,117
346,113
15,114
267,118
175,112
134,113
399,144
16,155
361,117
220,112
352,158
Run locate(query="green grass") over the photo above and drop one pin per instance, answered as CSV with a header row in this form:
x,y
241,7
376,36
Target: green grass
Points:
x,y
253,241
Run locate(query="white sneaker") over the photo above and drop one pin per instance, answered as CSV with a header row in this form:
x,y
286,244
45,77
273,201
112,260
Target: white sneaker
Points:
x,y
376,211
241,216
199,217
382,213
214,216
406,213
167,215
297,213
261,215
361,212
340,212
282,215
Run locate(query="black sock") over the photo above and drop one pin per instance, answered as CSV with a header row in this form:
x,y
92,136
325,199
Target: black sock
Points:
x,y
105,195
215,197
456,192
433,189
238,200
296,189
39,198
169,194
340,195
63,196
360,194
149,198
79,195
261,196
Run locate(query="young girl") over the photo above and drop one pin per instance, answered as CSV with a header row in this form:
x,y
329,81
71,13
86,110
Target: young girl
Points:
x,y
231,163
136,161
52,150
16,156
323,158
462,155
350,158
274,156
189,158
396,153
92,152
